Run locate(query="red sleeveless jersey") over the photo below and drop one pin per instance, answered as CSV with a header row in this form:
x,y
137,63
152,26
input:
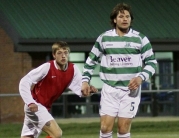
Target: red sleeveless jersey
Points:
x,y
53,85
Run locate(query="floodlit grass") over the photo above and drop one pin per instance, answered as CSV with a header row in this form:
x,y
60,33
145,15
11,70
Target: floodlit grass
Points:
x,y
164,129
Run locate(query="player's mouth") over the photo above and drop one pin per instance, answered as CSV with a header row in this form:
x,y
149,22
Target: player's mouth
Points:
x,y
63,60
124,23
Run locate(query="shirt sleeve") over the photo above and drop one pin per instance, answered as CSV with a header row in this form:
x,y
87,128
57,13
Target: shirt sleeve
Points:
x,y
150,63
92,60
33,77
76,83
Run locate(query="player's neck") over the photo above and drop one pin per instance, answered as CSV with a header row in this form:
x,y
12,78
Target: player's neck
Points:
x,y
61,66
121,31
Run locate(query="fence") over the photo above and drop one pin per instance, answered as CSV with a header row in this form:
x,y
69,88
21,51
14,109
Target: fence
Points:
x,y
153,103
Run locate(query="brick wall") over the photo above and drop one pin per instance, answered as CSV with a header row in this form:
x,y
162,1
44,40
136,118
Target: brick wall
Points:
x,y
13,66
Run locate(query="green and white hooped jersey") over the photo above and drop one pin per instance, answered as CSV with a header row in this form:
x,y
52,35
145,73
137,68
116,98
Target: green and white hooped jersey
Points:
x,y
121,58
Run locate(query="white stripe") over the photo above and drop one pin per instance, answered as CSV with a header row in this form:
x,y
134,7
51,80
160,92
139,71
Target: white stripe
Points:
x,y
145,41
147,53
91,62
114,44
85,79
90,71
95,51
121,61
146,75
151,61
121,45
150,68
117,77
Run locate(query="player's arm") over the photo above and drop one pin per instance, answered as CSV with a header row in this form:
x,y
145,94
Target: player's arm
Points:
x,y
76,83
150,63
91,62
88,90
27,82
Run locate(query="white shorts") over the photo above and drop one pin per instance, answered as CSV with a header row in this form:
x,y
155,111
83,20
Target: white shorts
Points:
x,y
117,102
34,121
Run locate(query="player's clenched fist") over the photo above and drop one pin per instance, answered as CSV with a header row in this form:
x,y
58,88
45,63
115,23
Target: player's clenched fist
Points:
x,y
86,89
33,107
93,89
134,83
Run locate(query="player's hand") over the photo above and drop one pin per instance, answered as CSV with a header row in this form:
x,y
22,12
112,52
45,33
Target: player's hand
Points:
x,y
85,89
93,89
33,107
135,83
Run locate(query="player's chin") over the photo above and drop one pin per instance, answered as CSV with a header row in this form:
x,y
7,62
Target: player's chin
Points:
x,y
123,27
64,62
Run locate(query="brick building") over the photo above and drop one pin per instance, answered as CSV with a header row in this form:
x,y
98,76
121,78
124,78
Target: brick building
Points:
x,y
12,67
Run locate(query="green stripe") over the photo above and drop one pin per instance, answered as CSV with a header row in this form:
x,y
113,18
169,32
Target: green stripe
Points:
x,y
116,83
120,70
146,48
93,57
97,45
121,39
87,74
148,72
141,35
152,64
152,57
122,51
86,66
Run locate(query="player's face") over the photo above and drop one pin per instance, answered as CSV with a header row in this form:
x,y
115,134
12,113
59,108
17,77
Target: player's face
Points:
x,y
61,56
123,20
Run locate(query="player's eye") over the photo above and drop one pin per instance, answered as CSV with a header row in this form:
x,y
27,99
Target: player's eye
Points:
x,y
63,53
66,53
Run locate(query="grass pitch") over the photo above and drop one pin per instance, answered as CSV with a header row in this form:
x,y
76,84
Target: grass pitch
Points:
x,y
140,129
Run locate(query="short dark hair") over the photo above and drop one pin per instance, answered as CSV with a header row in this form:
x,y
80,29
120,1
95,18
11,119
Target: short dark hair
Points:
x,y
119,7
60,44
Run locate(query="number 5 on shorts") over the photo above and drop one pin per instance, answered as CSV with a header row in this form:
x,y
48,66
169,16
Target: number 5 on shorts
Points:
x,y
132,106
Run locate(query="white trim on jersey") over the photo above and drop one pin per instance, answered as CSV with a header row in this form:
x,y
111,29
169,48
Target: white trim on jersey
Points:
x,y
37,74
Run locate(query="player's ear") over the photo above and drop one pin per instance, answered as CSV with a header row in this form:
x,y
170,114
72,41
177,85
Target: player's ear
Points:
x,y
114,20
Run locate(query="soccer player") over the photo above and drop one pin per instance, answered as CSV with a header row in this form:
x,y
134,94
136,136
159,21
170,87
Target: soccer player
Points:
x,y
42,86
120,52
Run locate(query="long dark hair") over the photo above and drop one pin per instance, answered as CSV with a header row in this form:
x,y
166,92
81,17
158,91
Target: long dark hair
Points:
x,y
119,7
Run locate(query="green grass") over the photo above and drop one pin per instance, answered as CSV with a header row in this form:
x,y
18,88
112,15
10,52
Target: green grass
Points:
x,y
164,129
